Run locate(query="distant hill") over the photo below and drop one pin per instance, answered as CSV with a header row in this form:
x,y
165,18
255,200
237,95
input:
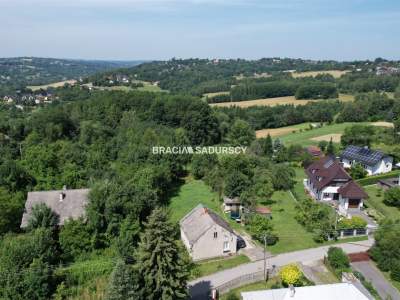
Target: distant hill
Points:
x,y
204,76
22,71
199,76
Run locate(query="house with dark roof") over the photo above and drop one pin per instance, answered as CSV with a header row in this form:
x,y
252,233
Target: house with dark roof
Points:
x,y
67,204
328,181
207,235
373,161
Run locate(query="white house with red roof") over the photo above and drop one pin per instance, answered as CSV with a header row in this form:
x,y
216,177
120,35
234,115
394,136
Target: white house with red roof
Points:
x,y
328,181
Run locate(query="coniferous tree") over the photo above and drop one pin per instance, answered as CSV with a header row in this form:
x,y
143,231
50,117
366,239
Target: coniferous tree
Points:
x,y
122,285
268,146
330,150
163,269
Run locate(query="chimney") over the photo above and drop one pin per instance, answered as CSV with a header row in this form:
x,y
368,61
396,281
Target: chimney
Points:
x,y
205,210
292,290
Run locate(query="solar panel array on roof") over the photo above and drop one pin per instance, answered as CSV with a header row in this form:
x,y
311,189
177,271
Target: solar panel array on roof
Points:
x,y
362,155
328,163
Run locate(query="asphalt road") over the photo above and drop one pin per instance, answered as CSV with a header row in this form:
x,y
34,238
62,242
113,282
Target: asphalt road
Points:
x,y
379,282
201,286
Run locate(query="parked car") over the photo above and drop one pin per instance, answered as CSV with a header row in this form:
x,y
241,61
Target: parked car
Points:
x,y
241,243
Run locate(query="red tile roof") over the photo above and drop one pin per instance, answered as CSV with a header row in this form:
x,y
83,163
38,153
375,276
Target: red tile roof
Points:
x,y
324,171
352,190
263,210
314,150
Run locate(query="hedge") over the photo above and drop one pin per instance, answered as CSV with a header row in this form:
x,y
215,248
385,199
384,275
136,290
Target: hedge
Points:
x,y
374,179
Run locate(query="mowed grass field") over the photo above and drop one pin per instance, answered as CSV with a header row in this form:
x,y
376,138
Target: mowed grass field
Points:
x,y
277,101
334,73
301,134
52,85
147,87
375,201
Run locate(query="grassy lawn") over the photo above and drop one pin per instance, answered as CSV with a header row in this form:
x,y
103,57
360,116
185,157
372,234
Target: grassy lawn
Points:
x,y
258,286
292,236
216,265
191,194
304,138
375,200
277,132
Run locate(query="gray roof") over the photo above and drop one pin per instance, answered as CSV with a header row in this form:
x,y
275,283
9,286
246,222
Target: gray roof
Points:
x,y
363,155
234,200
199,220
71,206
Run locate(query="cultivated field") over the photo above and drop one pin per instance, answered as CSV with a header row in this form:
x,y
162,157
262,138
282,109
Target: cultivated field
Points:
x,y
275,132
301,134
383,124
147,87
335,137
334,73
53,85
277,101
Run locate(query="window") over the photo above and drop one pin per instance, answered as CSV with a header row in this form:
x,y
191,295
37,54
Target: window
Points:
x,y
326,195
226,246
215,235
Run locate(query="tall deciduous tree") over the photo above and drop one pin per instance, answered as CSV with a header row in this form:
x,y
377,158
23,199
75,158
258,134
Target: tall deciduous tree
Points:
x,y
42,216
163,269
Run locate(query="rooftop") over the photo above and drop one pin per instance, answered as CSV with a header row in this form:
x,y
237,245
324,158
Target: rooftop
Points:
x,y
199,220
65,203
363,155
337,291
323,171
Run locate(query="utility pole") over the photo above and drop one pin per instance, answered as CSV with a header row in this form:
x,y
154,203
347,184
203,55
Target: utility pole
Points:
x,y
265,257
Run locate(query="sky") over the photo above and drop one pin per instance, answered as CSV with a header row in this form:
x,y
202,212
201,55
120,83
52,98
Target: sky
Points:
x,y
162,29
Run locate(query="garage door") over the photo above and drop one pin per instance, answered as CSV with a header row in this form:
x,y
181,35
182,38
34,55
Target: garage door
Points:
x,y
353,203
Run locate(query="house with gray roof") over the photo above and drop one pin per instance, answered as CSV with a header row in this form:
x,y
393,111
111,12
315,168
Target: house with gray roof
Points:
x,y
207,235
373,161
65,203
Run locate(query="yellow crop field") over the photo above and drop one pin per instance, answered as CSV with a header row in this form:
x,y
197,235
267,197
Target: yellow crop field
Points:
x,y
334,73
53,85
277,101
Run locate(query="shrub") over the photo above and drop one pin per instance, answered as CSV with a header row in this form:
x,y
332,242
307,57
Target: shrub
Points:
x,y
232,296
353,223
291,274
338,260
395,271
392,197
259,226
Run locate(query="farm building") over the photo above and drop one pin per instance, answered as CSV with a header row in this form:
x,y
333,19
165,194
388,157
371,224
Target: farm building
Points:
x,y
328,181
206,235
232,204
67,204
374,161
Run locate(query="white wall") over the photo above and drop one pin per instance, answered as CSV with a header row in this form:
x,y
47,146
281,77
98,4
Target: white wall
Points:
x,y
209,247
383,166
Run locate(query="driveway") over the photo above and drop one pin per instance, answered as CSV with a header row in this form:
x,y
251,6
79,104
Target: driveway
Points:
x,y
371,273
200,287
253,251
